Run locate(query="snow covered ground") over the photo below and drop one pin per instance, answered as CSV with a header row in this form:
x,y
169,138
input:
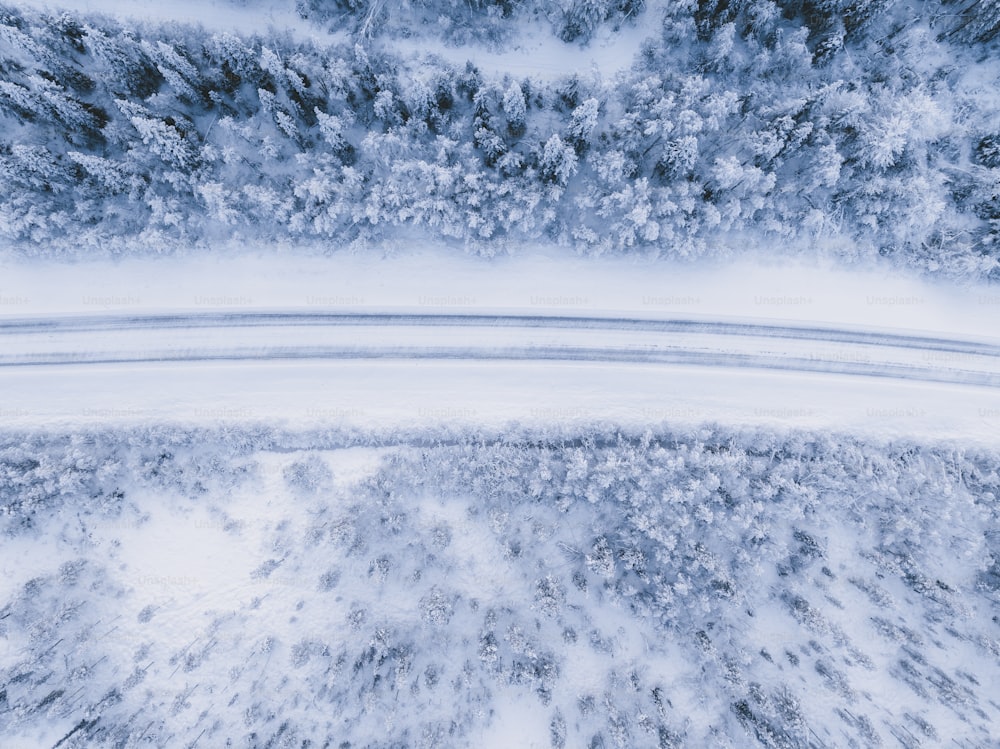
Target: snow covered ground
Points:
x,y
534,53
683,588
237,16
251,496
386,392
537,281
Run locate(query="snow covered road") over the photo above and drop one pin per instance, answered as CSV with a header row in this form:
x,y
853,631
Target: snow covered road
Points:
x,y
386,370
348,341
108,339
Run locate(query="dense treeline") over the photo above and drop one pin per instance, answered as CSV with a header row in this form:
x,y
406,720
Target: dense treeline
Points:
x,y
609,589
864,128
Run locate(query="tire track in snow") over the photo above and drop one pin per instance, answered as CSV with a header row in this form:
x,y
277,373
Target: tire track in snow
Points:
x,y
97,323
91,340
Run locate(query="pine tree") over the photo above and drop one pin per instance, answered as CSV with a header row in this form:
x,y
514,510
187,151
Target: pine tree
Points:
x,y
558,161
980,21
163,135
582,124
515,109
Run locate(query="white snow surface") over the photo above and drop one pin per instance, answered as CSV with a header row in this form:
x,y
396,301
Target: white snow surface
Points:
x,y
534,52
245,17
210,599
194,562
388,393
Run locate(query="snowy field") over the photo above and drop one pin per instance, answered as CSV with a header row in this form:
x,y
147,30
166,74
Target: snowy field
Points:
x,y
592,373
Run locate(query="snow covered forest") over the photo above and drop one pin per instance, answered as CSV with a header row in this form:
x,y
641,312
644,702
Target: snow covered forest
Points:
x,y
452,588
860,129
598,374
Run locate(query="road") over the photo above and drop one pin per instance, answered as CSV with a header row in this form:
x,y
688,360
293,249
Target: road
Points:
x,y
267,336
